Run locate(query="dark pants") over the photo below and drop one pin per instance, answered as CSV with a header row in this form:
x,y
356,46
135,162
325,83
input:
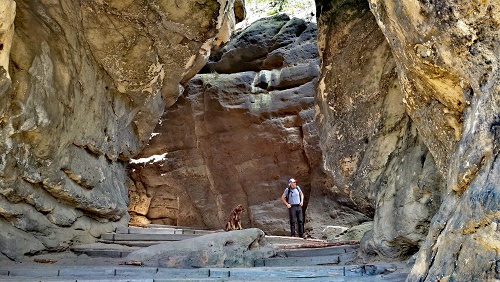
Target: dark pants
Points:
x,y
296,217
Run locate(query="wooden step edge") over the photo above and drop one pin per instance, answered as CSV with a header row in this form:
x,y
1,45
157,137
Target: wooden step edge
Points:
x,y
133,243
284,246
139,230
169,226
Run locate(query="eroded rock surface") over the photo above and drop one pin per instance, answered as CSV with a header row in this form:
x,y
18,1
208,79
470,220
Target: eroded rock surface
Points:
x,y
448,60
239,132
372,149
223,249
438,174
86,83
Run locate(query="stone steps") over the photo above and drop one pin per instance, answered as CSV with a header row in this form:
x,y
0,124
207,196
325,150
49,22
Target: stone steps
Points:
x,y
153,274
161,230
144,237
323,251
104,250
336,255
296,259
114,238
127,239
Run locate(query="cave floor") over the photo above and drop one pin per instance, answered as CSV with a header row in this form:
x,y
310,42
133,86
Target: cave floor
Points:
x,y
295,259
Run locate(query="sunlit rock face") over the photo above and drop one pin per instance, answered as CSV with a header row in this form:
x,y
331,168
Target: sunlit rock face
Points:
x,y
239,132
82,85
448,59
372,149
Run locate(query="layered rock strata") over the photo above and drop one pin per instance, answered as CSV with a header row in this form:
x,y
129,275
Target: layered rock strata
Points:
x,y
448,59
239,132
441,178
82,85
372,149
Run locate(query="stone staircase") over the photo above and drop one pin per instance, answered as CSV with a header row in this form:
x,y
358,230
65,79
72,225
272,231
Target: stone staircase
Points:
x,y
295,259
128,239
337,255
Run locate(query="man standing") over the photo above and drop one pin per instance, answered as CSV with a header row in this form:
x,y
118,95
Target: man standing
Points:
x,y
294,199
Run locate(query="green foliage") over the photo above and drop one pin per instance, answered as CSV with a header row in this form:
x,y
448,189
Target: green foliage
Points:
x,y
215,74
282,4
279,5
273,12
257,9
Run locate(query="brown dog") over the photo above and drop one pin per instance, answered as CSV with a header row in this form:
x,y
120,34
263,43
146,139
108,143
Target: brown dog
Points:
x,y
234,222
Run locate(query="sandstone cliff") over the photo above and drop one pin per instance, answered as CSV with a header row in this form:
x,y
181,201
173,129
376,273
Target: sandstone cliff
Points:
x,y
82,85
371,147
448,59
421,126
239,132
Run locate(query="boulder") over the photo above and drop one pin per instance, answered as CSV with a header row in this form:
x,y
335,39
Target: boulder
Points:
x,y
357,232
238,248
269,43
340,234
332,232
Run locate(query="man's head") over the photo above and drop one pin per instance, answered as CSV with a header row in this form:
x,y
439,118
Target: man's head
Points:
x,y
292,182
